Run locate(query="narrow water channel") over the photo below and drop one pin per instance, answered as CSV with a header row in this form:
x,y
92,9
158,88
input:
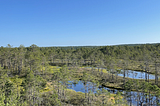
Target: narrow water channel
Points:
x,y
136,74
133,74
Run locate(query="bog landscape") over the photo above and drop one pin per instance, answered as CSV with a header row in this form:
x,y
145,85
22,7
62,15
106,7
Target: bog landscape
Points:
x,y
79,52
118,75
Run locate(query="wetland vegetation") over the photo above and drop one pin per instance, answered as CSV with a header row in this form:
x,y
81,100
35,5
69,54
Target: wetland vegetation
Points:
x,y
84,76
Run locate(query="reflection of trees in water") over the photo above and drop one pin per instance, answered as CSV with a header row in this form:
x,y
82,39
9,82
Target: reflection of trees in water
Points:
x,y
134,98
141,99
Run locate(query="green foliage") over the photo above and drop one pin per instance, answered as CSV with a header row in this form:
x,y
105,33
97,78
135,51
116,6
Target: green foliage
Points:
x,y
29,75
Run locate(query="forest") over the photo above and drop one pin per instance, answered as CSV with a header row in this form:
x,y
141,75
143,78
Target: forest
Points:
x,y
120,75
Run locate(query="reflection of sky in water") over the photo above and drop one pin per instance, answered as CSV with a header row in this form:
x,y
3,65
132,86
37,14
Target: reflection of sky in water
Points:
x,y
79,87
136,74
133,74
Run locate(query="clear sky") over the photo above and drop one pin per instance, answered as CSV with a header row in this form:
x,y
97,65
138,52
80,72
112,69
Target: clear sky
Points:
x,y
79,22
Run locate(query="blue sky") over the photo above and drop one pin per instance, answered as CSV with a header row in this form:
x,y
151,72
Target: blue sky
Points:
x,y
79,22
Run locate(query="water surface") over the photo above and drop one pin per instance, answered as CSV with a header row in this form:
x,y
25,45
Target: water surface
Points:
x,y
132,97
132,74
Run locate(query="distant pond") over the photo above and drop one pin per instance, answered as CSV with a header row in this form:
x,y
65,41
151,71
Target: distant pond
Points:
x,y
136,74
133,74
